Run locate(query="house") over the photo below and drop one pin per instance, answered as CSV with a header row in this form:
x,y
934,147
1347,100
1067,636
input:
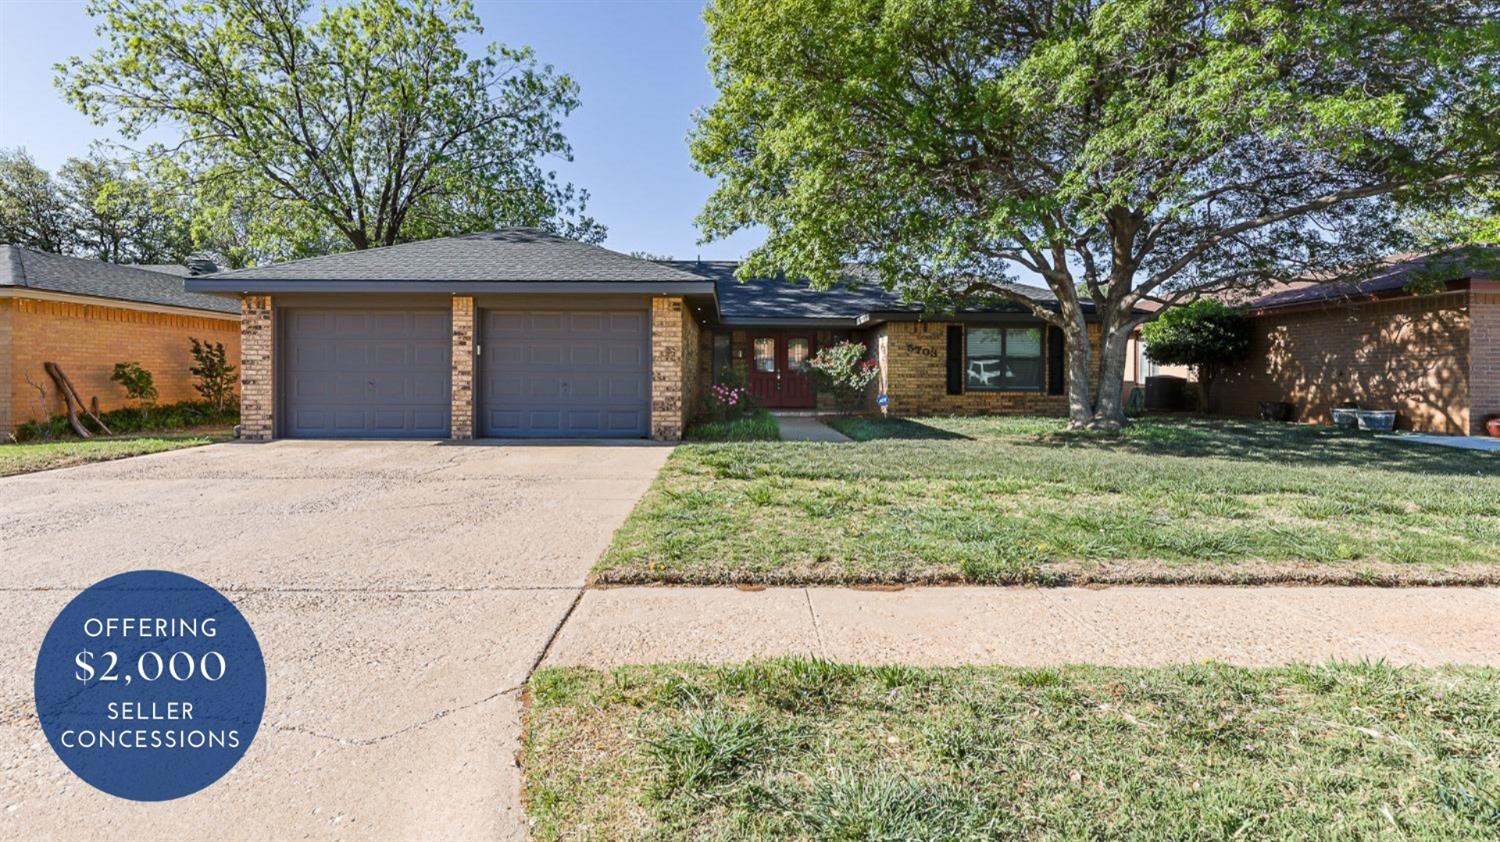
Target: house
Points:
x,y
86,315
519,332
1433,356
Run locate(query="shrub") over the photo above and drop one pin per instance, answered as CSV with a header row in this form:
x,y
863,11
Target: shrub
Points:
x,y
139,385
1206,336
727,403
845,370
155,418
215,374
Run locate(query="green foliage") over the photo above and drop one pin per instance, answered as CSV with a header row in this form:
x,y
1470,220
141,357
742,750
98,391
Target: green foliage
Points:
x,y
349,125
95,207
1206,336
757,425
216,377
138,383
1122,147
154,418
33,210
845,370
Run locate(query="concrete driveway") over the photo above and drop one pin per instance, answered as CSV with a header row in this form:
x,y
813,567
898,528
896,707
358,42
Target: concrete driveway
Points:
x,y
401,593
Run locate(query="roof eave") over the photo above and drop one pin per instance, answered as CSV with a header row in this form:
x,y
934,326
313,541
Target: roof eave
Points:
x,y
249,286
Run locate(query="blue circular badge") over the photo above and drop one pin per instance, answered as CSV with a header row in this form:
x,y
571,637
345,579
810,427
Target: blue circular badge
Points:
x,y
150,685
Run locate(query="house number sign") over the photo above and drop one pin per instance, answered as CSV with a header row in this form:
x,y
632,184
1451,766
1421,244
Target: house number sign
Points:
x,y
921,350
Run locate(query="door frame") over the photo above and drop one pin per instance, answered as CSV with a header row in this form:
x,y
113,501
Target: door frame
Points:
x,y
779,354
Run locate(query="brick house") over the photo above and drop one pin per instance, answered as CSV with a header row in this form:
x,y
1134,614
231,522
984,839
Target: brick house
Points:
x,y
87,315
519,333
1432,357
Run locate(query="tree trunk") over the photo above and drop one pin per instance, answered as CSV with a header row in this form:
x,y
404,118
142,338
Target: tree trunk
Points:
x,y
1080,402
1109,405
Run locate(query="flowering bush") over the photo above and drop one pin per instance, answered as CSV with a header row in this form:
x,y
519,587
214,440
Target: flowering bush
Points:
x,y
726,402
844,370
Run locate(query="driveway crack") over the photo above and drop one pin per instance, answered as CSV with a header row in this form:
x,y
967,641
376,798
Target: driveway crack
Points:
x,y
817,624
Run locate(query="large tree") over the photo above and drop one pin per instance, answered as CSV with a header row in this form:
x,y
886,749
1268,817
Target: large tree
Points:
x,y
366,123
34,210
122,217
1117,149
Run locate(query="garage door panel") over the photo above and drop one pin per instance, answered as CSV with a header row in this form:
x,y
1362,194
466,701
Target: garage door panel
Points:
x,y
583,373
376,373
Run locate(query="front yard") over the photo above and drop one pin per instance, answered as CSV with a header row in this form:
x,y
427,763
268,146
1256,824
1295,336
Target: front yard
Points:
x,y
800,749
28,457
1009,500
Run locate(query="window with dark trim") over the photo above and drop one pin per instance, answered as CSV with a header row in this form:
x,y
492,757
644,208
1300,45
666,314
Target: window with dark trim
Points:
x,y
721,356
1002,359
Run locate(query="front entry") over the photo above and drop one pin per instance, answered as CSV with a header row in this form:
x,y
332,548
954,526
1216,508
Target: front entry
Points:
x,y
779,371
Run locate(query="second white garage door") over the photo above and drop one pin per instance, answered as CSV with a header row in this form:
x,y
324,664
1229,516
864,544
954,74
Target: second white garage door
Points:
x,y
565,373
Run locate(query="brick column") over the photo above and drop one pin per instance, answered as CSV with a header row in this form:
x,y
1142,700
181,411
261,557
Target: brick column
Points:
x,y
462,418
666,369
257,368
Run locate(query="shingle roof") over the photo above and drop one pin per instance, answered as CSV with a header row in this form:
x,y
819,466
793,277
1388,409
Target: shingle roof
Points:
x,y
23,267
509,255
1394,275
776,299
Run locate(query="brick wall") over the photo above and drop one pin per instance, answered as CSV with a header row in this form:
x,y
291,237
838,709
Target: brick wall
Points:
x,y
1484,357
257,368
1409,354
914,376
695,384
669,326
462,415
86,341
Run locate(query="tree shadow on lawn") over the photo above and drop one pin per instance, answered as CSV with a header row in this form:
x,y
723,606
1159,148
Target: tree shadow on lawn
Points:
x,y
1294,445
867,428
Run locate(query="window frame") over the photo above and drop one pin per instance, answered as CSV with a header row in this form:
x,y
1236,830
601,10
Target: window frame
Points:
x,y
1041,357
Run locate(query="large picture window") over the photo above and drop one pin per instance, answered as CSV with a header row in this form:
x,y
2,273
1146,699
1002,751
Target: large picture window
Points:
x,y
1003,358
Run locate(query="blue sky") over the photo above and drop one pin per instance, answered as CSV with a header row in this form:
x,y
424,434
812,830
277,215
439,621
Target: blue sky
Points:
x,y
641,65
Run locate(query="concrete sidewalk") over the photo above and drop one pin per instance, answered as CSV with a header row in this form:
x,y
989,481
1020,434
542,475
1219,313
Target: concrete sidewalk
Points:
x,y
1126,626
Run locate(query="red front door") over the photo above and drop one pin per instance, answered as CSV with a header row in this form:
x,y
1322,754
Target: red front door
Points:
x,y
778,370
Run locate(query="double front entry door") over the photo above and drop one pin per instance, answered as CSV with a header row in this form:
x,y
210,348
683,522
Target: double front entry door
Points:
x,y
778,370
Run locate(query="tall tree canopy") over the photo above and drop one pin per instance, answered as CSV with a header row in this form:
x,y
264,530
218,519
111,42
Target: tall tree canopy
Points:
x,y
1118,149
364,125
96,207
33,210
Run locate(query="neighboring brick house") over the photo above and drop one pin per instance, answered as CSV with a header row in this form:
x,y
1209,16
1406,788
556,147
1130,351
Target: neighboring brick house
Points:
x,y
520,333
1433,357
87,315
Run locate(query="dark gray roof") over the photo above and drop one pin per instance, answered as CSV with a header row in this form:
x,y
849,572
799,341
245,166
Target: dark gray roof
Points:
x,y
1394,274
510,255
23,267
777,300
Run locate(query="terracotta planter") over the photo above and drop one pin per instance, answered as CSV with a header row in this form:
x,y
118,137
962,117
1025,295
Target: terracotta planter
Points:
x,y
1492,426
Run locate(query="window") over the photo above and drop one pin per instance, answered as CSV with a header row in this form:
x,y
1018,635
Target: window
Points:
x,y
796,353
765,354
1001,359
721,360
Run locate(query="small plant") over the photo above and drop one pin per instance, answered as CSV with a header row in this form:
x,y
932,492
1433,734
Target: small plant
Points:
x,y
1206,335
845,370
139,385
215,374
725,403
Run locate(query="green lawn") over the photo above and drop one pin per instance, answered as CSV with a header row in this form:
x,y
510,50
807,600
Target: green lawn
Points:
x,y
810,750
46,455
758,426
998,500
